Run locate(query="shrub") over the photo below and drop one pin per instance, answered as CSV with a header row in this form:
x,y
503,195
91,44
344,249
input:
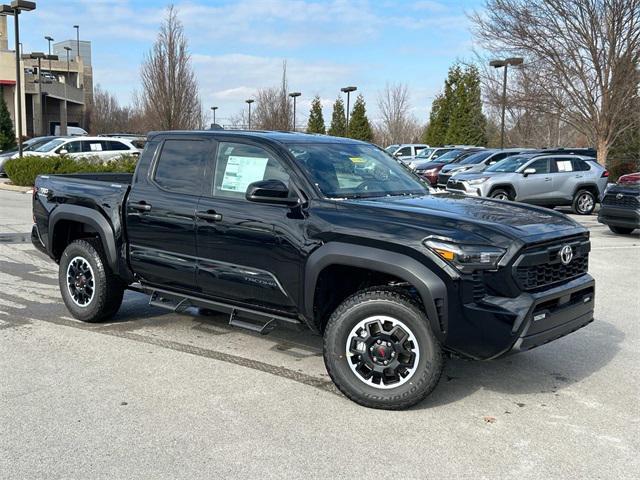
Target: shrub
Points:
x,y
23,171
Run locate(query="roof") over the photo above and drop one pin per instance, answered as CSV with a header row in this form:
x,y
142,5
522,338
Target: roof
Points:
x,y
276,136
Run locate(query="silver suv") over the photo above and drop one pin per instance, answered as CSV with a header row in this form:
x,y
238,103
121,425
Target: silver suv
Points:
x,y
548,180
478,162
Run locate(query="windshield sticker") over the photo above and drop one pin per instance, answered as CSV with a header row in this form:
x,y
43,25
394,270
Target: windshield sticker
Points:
x,y
357,159
241,171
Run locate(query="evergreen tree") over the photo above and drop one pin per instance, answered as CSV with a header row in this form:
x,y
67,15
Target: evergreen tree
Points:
x,y
7,134
316,120
456,114
359,126
338,122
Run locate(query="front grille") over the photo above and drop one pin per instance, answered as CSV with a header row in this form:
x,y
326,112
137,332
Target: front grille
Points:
x,y
443,178
456,185
626,201
541,266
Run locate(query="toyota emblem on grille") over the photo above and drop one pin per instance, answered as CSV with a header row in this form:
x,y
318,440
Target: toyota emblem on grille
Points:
x,y
619,196
566,254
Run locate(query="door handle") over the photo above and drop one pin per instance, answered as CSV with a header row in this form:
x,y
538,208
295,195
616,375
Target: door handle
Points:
x,y
209,216
142,206
547,179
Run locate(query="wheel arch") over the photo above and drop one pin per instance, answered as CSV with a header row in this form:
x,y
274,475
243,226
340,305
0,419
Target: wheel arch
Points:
x,y
504,186
65,219
430,288
589,186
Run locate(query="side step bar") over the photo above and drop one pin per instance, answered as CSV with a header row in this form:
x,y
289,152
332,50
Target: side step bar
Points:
x,y
257,321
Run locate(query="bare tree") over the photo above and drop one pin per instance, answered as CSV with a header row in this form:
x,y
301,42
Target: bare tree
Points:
x,y
272,107
170,90
584,54
397,124
107,116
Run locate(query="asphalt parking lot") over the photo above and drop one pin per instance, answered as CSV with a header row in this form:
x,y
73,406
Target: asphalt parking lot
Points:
x,y
163,395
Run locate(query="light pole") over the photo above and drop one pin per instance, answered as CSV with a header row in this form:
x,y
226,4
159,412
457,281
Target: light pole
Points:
x,y
77,27
214,114
499,64
49,39
294,95
14,9
249,102
348,91
64,120
38,115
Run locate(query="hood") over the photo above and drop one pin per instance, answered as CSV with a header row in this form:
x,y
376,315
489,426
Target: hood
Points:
x,y
473,176
471,219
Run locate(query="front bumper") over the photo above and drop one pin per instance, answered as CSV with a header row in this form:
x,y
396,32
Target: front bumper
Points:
x,y
498,326
619,216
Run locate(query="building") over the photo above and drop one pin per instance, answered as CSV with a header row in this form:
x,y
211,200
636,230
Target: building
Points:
x,y
55,91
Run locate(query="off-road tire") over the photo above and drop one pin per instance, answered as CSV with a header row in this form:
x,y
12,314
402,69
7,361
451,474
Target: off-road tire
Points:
x,y
108,288
391,303
500,194
621,230
577,202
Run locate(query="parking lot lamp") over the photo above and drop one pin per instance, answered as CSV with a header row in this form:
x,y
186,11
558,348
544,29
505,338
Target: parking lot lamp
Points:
x,y
64,125
214,114
249,102
499,64
16,7
294,95
49,40
348,91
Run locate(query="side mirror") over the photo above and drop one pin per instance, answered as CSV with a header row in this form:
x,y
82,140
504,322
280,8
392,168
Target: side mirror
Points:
x,y
398,154
63,151
270,191
528,171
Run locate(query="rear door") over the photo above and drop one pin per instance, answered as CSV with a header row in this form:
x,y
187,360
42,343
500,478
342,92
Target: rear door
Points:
x,y
536,187
249,253
565,178
161,212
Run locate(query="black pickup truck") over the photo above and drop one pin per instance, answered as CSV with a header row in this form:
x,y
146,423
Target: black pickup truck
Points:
x,y
325,233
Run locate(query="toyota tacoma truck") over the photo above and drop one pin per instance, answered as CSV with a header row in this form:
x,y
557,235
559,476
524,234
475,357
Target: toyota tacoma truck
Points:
x,y
328,234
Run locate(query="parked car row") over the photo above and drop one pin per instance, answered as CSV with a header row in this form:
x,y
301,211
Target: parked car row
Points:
x,y
103,148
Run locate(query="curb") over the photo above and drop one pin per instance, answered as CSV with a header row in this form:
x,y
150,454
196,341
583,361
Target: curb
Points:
x,y
15,188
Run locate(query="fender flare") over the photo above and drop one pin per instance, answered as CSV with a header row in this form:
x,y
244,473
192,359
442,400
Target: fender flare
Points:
x,y
89,217
430,287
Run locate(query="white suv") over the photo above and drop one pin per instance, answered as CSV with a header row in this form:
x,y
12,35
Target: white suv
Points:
x,y
94,147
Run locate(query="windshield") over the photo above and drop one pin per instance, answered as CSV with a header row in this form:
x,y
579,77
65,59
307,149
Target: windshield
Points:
x,y
425,153
355,171
36,144
450,156
510,164
475,158
47,147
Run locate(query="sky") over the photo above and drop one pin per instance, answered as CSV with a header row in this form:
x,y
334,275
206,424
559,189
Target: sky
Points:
x,y
238,46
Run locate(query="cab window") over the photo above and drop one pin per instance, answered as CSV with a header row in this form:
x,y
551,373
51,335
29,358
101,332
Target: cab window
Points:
x,y
180,165
238,165
540,166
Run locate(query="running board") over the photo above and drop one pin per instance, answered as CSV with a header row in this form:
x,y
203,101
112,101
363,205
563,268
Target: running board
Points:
x,y
255,320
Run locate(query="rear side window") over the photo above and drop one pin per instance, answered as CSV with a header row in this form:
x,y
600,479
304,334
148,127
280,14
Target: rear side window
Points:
x,y
114,145
92,146
180,165
580,166
564,165
238,165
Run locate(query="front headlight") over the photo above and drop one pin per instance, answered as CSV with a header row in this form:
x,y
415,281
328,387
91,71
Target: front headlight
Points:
x,y
477,181
466,258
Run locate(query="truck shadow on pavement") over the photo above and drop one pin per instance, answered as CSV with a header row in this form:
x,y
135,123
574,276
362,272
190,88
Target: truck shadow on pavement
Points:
x,y
546,370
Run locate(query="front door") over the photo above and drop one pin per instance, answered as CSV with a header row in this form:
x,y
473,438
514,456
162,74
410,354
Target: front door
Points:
x,y
161,213
249,253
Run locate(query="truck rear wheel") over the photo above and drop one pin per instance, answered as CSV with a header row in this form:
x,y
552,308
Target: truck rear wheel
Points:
x,y
380,351
584,202
90,290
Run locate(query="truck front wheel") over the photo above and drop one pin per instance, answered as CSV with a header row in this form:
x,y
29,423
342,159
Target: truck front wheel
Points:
x,y
380,351
90,290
